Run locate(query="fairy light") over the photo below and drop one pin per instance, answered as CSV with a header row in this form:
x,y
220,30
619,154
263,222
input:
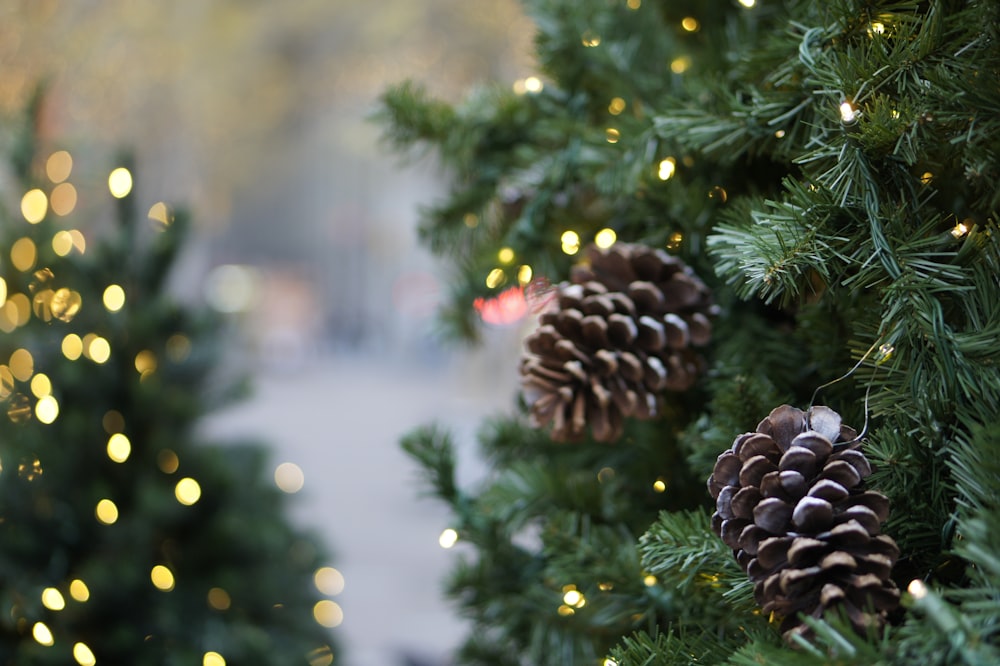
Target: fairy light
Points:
x,y
616,106
574,598
960,230
876,28
79,590
83,655
609,662
99,350
605,474
162,578
41,385
847,113
53,599
690,24
34,206
605,238
612,135
448,538
680,64
533,84
114,298
917,589
119,447
633,4
748,3
524,274
42,634
160,213
47,410
23,254
667,168
659,485
566,611
289,478
329,581
649,580
120,182
505,255
780,134
106,512
471,220
495,278
63,199
570,242
187,491
328,613
590,39
213,659
58,166
62,243
219,599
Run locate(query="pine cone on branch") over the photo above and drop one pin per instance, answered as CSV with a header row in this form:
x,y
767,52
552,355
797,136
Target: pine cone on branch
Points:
x,y
622,331
791,503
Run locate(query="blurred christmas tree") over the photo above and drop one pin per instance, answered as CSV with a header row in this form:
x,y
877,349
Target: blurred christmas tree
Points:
x,y
829,171
124,539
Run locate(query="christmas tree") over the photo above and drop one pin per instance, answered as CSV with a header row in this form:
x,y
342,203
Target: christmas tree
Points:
x,y
822,176
124,539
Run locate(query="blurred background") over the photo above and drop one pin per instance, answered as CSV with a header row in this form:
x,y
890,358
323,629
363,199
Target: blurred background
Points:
x,y
254,115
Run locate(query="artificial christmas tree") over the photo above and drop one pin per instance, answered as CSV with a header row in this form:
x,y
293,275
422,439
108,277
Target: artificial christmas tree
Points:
x,y
124,539
829,171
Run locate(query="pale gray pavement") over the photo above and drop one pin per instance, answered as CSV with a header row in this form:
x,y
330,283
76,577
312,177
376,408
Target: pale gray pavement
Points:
x,y
339,416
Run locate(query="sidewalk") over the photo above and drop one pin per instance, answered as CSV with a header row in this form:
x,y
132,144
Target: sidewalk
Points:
x,y
339,418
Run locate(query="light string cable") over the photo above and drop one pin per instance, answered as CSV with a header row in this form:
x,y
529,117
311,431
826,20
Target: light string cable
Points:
x,y
868,390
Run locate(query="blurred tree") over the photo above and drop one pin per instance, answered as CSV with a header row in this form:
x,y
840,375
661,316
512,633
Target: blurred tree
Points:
x,y
124,539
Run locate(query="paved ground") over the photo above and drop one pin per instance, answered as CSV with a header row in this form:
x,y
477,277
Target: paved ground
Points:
x,y
339,416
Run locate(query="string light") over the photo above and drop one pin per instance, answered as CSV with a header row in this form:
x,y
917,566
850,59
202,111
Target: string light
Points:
x,y
612,135
160,213
960,230
659,485
680,64
329,581
570,242
162,578
114,298
42,634
649,580
120,182
616,106
53,599
34,206
119,447
22,364
83,655
106,512
289,478
876,28
495,278
99,350
590,39
471,220
926,177
748,3
533,84
167,461
328,613
58,166
505,255
321,656
847,113
524,274
23,254
633,4
47,410
62,243
213,659
609,662
605,238
605,475
187,491
667,168
219,599
690,24
917,589
448,538
79,590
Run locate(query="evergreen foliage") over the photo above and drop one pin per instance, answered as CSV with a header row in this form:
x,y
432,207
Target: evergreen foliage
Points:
x,y
91,496
830,169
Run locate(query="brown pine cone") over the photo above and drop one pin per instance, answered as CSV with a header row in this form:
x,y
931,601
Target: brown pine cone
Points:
x,y
791,503
621,332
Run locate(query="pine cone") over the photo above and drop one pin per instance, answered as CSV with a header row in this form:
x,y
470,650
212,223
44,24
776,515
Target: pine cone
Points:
x,y
791,503
621,332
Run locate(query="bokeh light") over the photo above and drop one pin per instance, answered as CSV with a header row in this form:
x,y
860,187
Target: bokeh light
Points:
x,y
570,242
34,206
605,238
59,166
83,655
42,634
187,491
79,590
63,199
328,613
329,581
448,538
162,578
119,447
47,409
53,599
41,385
107,512
231,288
213,659
22,364
289,477
667,168
120,182
23,254
114,298
219,599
